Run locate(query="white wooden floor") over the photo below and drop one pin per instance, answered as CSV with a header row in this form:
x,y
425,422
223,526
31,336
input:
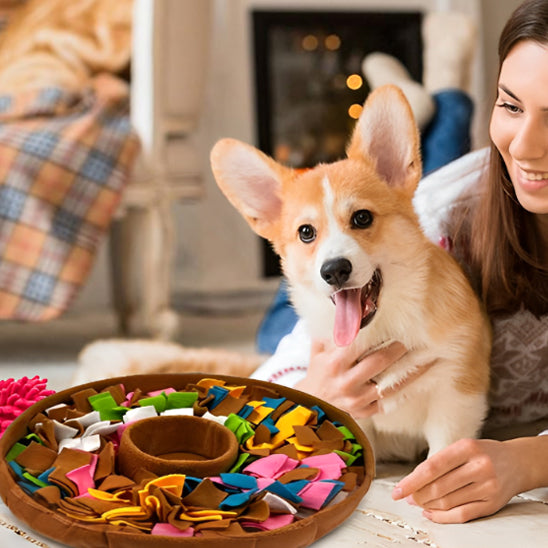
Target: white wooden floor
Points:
x,y
380,522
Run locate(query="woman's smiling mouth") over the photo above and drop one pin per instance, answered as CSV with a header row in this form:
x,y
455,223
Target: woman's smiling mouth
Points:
x,y
531,181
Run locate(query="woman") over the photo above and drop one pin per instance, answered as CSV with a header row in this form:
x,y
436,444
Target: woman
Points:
x,y
499,231
508,258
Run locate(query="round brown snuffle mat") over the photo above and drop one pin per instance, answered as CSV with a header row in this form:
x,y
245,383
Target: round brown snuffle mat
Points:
x,y
183,460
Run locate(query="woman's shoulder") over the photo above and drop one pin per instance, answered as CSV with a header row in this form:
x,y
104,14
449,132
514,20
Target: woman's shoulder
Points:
x,y
453,184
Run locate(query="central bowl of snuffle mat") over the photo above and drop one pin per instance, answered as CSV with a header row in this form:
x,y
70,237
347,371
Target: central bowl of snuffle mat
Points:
x,y
183,460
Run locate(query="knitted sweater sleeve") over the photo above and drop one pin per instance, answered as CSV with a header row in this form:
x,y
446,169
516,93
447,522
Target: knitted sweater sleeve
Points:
x,y
439,192
289,364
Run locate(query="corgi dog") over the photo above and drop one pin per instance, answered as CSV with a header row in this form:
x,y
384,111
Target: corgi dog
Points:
x,y
362,273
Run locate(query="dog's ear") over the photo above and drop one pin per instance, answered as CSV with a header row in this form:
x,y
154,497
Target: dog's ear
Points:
x,y
251,181
387,134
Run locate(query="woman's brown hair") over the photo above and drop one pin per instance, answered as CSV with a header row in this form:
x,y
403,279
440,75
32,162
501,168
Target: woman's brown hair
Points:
x,y
499,236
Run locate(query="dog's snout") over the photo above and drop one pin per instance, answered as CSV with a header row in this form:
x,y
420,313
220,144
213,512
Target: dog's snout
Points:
x,y
336,271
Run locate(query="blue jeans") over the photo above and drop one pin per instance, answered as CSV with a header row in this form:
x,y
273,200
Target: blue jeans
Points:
x,y
279,320
446,138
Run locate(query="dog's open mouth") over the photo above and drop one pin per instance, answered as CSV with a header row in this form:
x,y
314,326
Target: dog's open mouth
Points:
x,y
355,308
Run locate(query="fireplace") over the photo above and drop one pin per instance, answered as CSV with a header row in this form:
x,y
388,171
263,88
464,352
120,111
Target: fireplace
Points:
x,y
309,84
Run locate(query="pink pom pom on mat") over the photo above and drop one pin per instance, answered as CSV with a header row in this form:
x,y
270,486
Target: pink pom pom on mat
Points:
x,y
17,396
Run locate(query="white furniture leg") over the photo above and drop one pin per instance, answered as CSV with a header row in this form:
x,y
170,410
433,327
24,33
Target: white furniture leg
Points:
x,y
169,61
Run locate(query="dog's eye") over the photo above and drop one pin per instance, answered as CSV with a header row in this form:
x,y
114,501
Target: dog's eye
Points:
x,y
362,218
307,233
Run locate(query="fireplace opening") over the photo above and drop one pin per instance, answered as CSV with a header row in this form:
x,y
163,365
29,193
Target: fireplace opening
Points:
x,y
309,85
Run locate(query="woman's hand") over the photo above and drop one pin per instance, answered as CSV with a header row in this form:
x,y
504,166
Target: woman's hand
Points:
x,y
337,375
475,478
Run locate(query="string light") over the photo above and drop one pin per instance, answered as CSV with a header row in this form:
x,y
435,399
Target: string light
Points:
x,y
332,42
310,42
354,81
355,110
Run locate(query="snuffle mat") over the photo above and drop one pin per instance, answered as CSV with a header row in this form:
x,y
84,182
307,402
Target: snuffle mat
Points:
x,y
183,460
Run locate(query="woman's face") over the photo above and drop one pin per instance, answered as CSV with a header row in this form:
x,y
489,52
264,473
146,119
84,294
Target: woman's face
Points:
x,y
519,123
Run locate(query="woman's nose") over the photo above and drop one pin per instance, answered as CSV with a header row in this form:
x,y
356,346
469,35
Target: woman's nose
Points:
x,y
531,140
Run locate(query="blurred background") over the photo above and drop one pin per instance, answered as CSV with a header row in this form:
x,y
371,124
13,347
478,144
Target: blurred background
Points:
x,y
284,75
216,253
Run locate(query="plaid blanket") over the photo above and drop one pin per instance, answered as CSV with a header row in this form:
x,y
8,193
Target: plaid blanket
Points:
x,y
64,160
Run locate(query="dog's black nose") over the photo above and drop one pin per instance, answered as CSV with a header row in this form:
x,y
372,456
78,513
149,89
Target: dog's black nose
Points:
x,y
336,271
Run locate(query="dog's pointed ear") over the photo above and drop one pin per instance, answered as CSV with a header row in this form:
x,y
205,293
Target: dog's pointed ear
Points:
x,y
251,181
387,134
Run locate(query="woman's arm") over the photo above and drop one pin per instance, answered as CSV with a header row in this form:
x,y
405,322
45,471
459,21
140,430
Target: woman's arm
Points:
x,y
475,478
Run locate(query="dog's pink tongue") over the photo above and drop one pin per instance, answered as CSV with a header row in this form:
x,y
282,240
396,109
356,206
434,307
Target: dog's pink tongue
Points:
x,y
348,316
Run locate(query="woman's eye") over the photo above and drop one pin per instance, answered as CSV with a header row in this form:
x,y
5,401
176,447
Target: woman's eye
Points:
x,y
511,108
362,219
307,233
